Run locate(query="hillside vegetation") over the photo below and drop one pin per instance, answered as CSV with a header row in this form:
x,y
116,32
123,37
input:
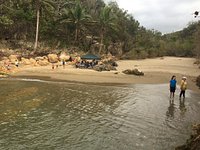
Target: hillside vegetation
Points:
x,y
89,26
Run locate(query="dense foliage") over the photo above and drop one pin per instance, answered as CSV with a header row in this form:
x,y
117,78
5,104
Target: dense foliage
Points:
x,y
60,24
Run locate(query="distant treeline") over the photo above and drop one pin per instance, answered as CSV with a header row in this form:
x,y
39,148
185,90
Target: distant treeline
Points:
x,y
73,23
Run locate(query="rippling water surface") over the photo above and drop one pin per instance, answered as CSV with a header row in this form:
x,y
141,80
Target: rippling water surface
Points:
x,y
59,115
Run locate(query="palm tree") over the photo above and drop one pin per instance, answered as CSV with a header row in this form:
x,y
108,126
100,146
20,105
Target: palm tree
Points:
x,y
40,4
106,22
76,16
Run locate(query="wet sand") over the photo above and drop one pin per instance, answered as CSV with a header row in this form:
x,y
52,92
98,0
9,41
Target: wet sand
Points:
x,y
157,70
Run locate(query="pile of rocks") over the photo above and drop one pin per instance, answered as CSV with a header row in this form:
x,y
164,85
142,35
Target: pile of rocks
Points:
x,y
37,61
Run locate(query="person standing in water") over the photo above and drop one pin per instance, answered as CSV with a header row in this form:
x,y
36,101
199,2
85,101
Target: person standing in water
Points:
x,y
172,86
183,87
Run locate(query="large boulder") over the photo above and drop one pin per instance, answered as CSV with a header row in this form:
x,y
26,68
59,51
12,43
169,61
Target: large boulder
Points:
x,y
133,72
43,62
64,56
25,61
33,61
53,58
13,58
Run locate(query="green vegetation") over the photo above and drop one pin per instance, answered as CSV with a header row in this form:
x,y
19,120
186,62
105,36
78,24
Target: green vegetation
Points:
x,y
57,24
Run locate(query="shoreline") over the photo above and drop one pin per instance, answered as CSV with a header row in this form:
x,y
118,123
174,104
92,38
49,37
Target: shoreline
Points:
x,y
156,71
150,78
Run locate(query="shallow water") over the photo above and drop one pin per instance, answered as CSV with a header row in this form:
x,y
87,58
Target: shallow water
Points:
x,y
42,115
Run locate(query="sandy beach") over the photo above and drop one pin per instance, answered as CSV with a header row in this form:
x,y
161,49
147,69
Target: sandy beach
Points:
x,y
157,70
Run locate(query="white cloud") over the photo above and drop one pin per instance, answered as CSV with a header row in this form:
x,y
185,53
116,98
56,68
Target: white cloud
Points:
x,y
162,15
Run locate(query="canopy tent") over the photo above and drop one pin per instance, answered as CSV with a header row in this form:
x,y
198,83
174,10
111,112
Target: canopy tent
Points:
x,y
90,57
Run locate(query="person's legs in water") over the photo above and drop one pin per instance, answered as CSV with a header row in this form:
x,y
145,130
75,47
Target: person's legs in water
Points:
x,y
184,94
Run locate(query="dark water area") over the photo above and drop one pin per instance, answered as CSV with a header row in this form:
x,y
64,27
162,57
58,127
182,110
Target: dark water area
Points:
x,y
47,115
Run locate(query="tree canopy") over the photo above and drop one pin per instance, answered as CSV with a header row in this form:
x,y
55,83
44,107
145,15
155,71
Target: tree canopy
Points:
x,y
66,23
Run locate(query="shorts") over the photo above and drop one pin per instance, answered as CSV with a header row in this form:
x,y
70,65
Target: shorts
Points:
x,y
172,89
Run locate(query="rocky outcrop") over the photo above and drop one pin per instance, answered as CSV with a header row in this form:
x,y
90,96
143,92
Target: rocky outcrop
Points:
x,y
194,142
133,72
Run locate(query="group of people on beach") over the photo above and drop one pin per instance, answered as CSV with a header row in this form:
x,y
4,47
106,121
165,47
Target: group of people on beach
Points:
x,y
183,87
86,64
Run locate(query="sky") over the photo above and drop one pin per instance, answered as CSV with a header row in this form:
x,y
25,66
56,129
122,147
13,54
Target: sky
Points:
x,y
165,16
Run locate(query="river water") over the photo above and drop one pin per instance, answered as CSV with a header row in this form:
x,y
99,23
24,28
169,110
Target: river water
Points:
x,y
49,115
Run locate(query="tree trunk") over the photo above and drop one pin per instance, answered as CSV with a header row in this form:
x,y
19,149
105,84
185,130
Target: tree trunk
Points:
x,y
101,42
76,33
37,26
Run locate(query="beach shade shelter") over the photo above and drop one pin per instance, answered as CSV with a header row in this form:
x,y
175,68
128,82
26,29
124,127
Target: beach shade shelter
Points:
x,y
90,57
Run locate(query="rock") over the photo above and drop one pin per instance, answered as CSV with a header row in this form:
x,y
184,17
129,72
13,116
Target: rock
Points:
x,y
45,57
110,62
13,58
39,58
33,61
43,62
134,72
3,72
53,58
104,67
25,61
197,62
4,58
64,56
77,59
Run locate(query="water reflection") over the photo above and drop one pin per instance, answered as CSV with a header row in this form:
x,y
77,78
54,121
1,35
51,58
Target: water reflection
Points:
x,y
182,107
171,109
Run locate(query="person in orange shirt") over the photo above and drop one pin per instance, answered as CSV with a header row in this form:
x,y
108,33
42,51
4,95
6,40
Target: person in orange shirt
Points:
x,y
183,87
